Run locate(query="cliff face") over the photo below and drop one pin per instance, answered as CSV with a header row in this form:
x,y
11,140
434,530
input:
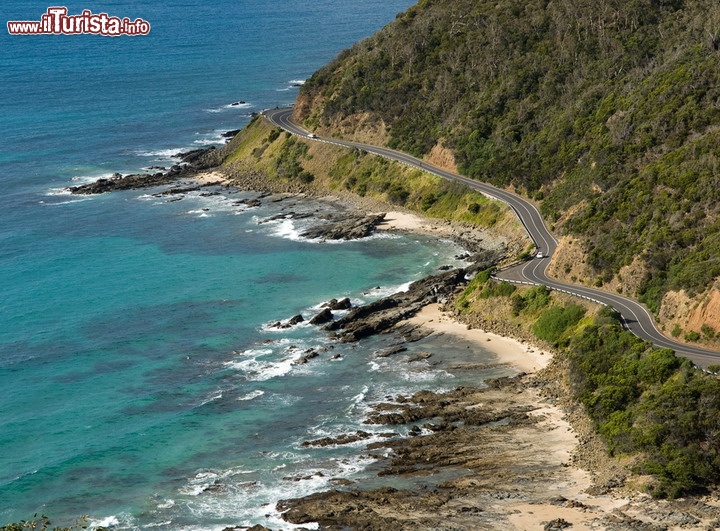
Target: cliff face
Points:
x,y
605,112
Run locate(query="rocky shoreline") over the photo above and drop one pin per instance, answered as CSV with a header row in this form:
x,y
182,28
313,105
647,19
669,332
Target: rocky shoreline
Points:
x,y
516,453
190,164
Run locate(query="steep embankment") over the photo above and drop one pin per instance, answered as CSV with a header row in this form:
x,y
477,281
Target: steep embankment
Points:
x,y
605,112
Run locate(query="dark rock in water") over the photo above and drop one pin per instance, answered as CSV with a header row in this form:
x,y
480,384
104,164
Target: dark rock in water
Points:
x,y
119,182
420,356
323,317
236,103
230,134
445,268
295,320
350,227
173,191
345,438
195,155
216,488
309,355
334,304
289,323
249,202
275,218
387,352
257,527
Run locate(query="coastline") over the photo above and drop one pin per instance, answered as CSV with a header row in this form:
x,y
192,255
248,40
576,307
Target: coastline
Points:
x,y
548,433
518,454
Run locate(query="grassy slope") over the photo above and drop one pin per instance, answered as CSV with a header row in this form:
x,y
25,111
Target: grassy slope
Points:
x,y
288,163
606,110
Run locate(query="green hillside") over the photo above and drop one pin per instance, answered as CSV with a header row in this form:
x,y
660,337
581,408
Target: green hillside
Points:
x,y
608,110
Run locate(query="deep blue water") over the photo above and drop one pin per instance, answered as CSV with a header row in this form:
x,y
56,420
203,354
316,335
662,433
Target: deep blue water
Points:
x,y
139,382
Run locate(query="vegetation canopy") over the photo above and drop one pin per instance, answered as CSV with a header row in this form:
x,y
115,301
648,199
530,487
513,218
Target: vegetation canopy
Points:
x,y
645,402
608,110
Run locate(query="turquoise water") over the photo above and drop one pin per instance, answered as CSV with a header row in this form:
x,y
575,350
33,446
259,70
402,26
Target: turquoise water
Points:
x,y
139,380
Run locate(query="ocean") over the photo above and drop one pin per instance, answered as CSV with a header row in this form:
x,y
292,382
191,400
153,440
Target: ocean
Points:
x,y
141,381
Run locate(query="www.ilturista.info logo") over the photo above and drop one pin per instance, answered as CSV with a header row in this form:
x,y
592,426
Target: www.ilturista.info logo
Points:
x,y
57,22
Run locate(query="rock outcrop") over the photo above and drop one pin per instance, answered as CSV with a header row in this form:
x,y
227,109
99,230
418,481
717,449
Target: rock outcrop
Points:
x,y
383,314
191,163
345,227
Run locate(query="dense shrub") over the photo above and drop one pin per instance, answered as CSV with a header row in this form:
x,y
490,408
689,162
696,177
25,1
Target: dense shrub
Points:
x,y
553,322
648,402
608,108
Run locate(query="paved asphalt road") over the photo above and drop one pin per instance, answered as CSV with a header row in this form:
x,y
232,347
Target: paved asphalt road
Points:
x,y
635,316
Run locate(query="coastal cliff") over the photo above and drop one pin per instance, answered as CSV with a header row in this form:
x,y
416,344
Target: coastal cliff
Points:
x,y
604,113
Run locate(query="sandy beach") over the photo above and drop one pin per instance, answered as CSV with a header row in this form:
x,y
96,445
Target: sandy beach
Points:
x,y
525,357
213,177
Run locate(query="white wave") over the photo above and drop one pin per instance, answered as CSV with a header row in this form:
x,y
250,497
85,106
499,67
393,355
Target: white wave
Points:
x,y
67,202
256,369
212,397
201,213
361,396
260,371
297,81
285,228
208,205
87,179
425,376
58,191
254,352
109,521
158,524
77,180
252,395
149,197
251,500
385,291
229,107
162,154
166,504
216,137
207,478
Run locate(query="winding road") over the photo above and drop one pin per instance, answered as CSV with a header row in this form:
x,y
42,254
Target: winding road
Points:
x,y
636,317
